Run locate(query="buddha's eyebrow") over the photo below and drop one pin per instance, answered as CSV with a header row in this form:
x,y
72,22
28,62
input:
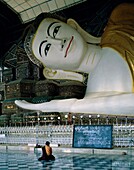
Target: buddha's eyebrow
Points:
x,y
41,46
48,30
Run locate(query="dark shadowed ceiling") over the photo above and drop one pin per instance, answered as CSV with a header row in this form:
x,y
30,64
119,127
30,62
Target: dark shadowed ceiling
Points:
x,y
15,15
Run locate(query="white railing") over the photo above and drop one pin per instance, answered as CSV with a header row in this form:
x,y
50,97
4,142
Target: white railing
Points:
x,y
123,135
37,134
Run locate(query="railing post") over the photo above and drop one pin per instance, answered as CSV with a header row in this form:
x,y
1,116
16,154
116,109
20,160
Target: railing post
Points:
x,y
37,128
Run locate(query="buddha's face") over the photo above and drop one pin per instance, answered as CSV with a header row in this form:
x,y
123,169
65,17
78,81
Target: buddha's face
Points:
x,y
58,46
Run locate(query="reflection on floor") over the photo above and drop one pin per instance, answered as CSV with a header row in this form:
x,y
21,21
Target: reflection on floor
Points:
x,y
28,160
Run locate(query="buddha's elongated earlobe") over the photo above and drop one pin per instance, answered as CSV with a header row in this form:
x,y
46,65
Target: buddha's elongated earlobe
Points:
x,y
73,23
64,75
87,37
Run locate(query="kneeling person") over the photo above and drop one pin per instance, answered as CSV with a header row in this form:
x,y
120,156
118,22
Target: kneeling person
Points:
x,y
47,152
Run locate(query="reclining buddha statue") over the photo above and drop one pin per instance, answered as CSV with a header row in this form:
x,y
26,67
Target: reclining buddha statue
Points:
x,y
65,50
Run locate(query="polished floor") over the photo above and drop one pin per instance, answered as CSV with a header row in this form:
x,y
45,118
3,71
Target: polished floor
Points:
x,y
28,160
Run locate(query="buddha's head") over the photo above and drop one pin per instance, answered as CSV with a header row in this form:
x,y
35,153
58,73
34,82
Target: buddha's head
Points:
x,y
56,44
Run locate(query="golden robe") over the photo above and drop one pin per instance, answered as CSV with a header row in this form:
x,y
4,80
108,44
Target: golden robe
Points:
x,y
119,33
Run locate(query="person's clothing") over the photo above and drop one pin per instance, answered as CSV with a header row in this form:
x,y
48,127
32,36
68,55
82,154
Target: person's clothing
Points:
x,y
46,153
119,33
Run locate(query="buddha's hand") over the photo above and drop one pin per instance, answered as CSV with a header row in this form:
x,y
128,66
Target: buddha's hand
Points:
x,y
51,106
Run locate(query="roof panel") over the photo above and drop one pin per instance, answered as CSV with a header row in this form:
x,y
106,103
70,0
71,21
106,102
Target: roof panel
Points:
x,y
76,0
42,1
18,9
45,7
33,2
6,0
69,2
31,13
12,3
24,16
20,1
25,6
52,5
60,3
37,10
39,6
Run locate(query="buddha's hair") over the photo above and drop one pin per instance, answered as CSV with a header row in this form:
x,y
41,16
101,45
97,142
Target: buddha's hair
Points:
x,y
29,33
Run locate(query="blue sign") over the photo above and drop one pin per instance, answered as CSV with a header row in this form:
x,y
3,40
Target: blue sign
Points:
x,y
92,136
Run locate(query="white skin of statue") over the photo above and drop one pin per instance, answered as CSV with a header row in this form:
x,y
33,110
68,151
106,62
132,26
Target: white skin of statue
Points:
x,y
63,46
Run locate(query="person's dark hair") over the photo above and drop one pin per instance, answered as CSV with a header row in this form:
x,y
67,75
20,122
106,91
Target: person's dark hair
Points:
x,y
47,143
30,31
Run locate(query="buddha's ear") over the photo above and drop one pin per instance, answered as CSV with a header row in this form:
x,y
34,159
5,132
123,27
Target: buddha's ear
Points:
x,y
73,23
86,36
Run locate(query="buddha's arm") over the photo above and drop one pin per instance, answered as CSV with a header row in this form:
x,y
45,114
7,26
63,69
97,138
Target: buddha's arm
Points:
x,y
52,106
95,103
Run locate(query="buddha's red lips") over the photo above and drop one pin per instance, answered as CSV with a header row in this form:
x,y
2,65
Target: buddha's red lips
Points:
x,y
69,46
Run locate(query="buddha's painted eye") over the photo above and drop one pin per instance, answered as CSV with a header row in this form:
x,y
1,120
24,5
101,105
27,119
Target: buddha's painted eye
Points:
x,y
56,29
47,48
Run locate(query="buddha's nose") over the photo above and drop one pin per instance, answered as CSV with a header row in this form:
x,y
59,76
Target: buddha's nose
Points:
x,y
54,40
59,42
